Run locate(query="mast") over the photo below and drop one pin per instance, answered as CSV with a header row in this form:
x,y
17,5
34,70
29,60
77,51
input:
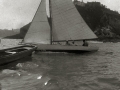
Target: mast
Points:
x,y
50,21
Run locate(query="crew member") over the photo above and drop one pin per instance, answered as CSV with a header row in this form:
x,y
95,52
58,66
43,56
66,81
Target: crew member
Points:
x,y
67,43
85,43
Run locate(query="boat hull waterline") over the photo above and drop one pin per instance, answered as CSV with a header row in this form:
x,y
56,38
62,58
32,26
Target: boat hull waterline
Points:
x,y
65,48
15,53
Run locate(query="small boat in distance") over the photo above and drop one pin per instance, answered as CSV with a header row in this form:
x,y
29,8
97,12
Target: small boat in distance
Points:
x,y
64,24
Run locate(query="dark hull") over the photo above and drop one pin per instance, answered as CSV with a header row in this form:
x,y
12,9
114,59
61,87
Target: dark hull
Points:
x,y
64,48
12,54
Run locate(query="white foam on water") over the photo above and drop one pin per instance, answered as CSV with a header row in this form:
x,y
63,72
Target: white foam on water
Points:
x,y
39,77
46,83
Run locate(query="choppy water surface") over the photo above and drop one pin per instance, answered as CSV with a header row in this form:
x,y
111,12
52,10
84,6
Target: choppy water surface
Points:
x,y
62,71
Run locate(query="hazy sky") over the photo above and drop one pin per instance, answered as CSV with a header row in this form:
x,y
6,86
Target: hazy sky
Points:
x,y
17,13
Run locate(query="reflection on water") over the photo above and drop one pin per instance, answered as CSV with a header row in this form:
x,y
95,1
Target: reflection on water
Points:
x,y
62,71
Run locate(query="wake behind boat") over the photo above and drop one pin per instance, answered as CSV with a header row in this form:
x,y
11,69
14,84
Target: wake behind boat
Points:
x,y
65,24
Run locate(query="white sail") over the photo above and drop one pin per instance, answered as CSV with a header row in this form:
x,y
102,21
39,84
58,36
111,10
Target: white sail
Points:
x,y
67,23
39,31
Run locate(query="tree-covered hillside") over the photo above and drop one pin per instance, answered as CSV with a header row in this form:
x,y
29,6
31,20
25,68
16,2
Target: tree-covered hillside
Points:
x,y
103,21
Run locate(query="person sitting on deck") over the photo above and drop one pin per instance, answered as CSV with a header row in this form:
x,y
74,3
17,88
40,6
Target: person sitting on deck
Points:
x,y
67,43
85,43
73,43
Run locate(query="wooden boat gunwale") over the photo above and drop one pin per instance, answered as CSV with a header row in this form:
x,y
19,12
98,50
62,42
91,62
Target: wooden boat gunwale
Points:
x,y
16,56
15,48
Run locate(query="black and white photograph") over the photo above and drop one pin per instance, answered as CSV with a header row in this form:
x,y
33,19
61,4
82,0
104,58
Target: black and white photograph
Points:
x,y
59,44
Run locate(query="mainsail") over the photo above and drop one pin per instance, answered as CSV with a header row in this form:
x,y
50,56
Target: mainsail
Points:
x,y
67,23
39,31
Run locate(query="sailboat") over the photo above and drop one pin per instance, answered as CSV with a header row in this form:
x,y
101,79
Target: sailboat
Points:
x,y
65,24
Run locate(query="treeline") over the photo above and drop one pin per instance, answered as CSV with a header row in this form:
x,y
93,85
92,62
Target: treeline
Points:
x,y
103,21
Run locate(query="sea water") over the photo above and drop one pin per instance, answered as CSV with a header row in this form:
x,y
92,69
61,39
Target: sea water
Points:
x,y
65,71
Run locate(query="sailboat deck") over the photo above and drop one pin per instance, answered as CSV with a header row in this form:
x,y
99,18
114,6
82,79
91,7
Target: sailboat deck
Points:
x,y
65,48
